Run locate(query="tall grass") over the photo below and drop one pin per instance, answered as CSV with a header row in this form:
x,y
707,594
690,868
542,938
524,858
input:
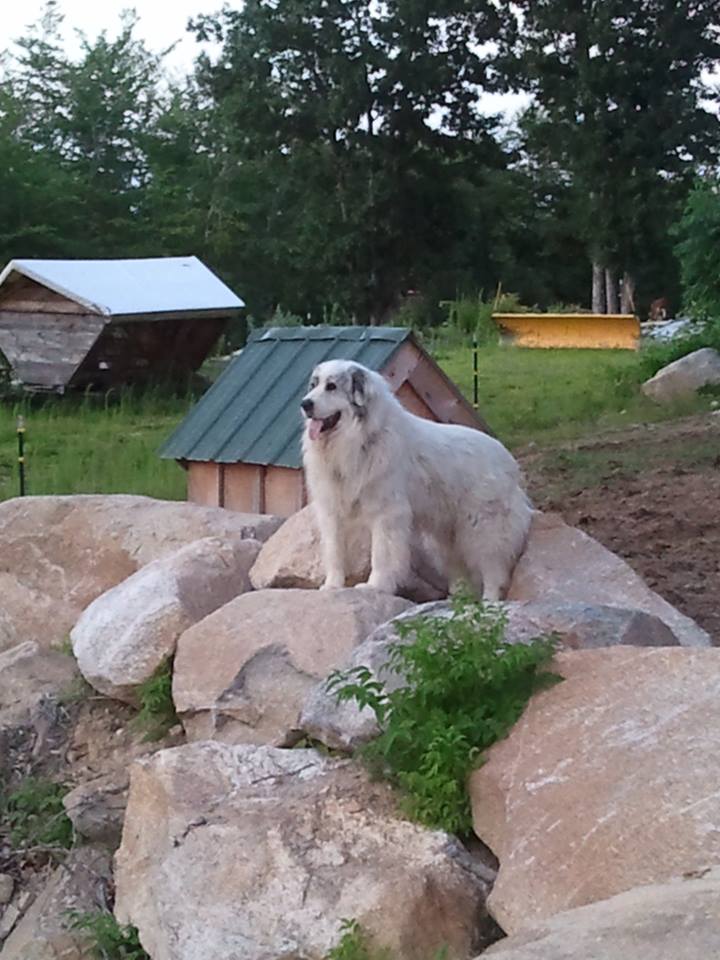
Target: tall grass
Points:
x,y
548,395
93,444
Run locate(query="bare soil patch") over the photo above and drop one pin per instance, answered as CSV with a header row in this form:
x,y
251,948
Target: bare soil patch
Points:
x,y
650,494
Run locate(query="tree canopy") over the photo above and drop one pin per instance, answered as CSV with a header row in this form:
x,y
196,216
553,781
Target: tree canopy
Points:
x,y
335,155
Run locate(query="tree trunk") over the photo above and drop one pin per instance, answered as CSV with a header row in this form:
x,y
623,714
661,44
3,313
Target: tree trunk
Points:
x,y
627,302
598,288
611,291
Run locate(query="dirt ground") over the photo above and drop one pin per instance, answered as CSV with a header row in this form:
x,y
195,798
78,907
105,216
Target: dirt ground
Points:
x,y
650,494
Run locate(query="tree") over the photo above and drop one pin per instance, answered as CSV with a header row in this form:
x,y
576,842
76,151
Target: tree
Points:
x,y
618,92
698,249
85,124
358,123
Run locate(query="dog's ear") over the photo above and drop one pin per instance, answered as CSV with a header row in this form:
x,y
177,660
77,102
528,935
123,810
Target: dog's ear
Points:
x,y
358,390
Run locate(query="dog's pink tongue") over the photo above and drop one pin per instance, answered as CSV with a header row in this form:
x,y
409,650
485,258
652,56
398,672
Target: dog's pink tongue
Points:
x,y
315,429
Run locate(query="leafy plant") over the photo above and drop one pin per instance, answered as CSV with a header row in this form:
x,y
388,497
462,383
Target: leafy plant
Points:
x,y
698,236
157,713
353,945
35,815
107,939
465,686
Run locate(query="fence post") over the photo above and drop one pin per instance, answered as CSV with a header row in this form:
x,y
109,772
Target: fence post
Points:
x,y
475,372
21,453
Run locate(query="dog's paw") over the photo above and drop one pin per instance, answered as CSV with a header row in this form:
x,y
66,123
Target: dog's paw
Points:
x,y
333,585
382,586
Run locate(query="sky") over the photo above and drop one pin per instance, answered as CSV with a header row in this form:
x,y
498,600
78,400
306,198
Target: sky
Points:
x,y
162,23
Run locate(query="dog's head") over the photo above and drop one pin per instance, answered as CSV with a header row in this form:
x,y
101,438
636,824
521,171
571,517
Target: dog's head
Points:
x,y
339,389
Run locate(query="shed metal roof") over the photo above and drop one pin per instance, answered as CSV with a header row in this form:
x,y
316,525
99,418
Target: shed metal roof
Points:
x,y
251,414
128,287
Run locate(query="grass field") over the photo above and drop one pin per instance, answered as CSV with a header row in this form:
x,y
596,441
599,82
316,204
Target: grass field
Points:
x,y
552,395
101,445
88,445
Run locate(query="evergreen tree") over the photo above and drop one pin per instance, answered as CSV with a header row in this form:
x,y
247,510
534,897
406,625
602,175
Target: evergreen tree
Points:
x,y
618,92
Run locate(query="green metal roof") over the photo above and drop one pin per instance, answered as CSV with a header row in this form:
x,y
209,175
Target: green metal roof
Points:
x,y
251,414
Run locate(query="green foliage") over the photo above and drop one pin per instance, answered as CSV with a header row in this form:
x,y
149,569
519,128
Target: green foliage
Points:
x,y
611,81
157,711
353,945
698,250
35,816
465,687
106,938
655,356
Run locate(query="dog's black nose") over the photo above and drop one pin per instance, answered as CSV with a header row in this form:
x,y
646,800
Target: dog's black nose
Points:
x,y
307,406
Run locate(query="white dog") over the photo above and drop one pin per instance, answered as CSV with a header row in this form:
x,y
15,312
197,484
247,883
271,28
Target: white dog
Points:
x,y
371,464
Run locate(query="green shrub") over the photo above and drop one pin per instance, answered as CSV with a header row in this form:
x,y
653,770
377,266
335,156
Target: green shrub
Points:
x,y
698,250
157,713
35,815
353,945
106,938
655,356
465,688
468,317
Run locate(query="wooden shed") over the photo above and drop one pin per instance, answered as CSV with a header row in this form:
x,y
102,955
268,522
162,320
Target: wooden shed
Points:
x,y
241,443
103,323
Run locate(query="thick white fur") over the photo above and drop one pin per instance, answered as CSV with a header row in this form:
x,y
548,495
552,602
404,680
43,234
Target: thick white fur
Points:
x,y
406,479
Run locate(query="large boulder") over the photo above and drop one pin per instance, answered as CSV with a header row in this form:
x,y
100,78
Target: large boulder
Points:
x,y
254,852
96,808
29,675
80,884
346,726
59,553
684,377
608,781
128,632
562,564
584,626
292,558
673,921
242,673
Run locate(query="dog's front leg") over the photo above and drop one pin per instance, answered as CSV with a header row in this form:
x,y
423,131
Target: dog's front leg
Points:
x,y
390,553
333,550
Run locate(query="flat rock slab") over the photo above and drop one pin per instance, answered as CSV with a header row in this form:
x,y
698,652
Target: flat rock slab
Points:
x,y
128,632
673,921
243,673
345,726
564,565
259,853
59,553
608,781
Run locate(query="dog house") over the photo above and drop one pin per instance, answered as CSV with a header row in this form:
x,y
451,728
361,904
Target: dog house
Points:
x,y
104,323
241,443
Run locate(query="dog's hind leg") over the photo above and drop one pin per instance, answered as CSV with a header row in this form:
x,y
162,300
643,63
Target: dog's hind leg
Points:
x,y
390,553
486,564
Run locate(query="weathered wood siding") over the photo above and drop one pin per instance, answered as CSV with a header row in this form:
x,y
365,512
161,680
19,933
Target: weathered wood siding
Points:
x,y
45,349
22,295
134,351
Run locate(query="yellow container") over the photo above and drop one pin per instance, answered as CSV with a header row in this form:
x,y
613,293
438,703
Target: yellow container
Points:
x,y
595,331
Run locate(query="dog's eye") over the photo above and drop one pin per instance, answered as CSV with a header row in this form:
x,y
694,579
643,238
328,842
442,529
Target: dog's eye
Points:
x,y
313,383
331,386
